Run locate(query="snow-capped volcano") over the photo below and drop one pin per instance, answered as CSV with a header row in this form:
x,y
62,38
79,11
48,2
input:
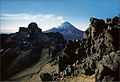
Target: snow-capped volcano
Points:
x,y
68,31
66,26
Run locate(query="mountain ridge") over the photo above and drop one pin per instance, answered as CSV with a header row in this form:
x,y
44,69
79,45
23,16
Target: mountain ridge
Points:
x,y
69,31
31,55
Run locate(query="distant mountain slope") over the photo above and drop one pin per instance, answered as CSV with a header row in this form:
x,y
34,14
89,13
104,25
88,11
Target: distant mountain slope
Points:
x,y
68,31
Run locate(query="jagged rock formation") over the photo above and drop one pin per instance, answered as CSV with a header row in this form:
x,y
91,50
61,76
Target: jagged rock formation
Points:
x,y
47,57
103,48
97,54
25,48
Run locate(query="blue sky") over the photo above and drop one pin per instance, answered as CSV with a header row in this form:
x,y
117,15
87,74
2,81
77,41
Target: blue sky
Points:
x,y
48,14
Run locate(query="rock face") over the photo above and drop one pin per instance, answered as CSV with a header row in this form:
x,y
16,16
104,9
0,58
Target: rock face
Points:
x,y
97,54
68,31
23,49
104,47
70,54
37,56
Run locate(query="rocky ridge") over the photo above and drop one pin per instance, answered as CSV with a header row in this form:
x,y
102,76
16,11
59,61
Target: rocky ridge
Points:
x,y
48,57
97,54
23,49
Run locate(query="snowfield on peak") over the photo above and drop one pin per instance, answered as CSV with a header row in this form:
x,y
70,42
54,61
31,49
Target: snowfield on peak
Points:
x,y
68,31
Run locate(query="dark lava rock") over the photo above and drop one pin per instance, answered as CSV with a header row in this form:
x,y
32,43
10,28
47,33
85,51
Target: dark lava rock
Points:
x,y
101,41
56,38
3,38
22,49
33,27
72,52
23,29
98,53
46,77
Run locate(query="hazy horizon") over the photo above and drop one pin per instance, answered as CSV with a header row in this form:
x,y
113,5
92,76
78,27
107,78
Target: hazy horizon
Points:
x,y
49,14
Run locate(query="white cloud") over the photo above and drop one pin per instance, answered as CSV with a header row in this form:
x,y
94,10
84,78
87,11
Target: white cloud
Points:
x,y
16,16
48,16
60,18
24,16
44,21
30,17
12,22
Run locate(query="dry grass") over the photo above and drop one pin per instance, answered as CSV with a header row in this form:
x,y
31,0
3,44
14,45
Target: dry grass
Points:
x,y
81,78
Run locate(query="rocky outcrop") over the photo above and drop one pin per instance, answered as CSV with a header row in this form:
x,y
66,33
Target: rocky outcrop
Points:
x,y
50,58
102,43
25,48
103,47
72,52
98,53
